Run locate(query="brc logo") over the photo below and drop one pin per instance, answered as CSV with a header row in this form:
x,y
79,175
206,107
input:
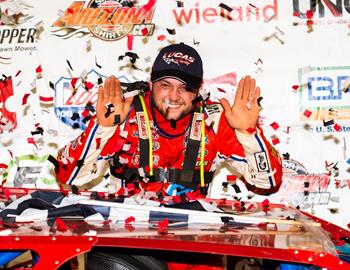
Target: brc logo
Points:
x,y
323,90
70,103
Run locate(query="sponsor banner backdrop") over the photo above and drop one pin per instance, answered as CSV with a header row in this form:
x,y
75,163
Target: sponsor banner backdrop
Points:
x,y
53,53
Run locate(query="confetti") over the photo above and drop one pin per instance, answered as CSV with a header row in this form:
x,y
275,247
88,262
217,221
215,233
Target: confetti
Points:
x,y
109,109
163,225
196,43
116,119
231,178
266,206
70,66
130,219
286,156
75,116
307,113
259,61
130,40
274,125
74,82
25,98
97,65
328,123
337,127
18,72
309,14
144,31
226,7
180,4
287,131
161,37
51,85
39,130
88,45
171,31
88,85
251,130
30,140
61,226
149,5
133,56
275,141
333,210
39,69
79,163
295,87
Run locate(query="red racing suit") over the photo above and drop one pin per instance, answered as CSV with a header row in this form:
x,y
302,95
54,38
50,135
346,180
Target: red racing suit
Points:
x,y
88,158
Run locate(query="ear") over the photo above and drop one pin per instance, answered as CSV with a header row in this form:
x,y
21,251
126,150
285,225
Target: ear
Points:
x,y
150,85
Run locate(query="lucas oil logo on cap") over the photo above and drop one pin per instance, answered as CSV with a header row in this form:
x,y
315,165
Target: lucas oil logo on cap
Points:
x,y
178,58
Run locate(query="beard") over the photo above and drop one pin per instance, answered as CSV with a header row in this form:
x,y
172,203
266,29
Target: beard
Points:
x,y
165,112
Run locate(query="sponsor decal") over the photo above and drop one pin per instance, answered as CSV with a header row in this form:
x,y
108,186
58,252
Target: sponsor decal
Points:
x,y
195,133
136,159
323,11
155,146
141,123
322,92
70,103
20,38
242,11
107,20
293,188
261,161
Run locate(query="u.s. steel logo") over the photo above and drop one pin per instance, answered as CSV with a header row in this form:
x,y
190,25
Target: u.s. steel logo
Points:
x,y
108,20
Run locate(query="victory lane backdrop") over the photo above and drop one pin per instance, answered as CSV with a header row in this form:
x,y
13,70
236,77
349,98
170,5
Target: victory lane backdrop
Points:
x,y
52,54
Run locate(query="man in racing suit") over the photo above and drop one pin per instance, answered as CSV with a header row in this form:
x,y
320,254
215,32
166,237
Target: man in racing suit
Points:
x,y
169,140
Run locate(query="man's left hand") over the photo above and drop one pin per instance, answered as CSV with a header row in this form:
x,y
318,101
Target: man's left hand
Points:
x,y
244,113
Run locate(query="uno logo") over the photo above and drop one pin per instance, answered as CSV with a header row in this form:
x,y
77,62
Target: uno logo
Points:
x,y
108,20
319,7
323,89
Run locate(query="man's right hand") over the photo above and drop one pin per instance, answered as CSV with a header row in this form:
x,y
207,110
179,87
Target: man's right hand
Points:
x,y
110,93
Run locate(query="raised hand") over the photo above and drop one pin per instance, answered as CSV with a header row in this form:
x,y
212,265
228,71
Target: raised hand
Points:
x,y
110,93
244,113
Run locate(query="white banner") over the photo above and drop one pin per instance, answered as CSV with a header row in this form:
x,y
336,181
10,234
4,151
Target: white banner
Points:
x,y
297,51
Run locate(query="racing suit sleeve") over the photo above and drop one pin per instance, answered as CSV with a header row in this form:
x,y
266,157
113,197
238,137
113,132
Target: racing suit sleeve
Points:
x,y
252,156
80,161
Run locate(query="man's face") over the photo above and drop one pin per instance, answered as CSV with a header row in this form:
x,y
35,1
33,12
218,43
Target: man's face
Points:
x,y
172,99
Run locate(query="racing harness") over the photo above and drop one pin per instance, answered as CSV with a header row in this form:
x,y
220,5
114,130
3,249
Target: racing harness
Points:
x,y
188,176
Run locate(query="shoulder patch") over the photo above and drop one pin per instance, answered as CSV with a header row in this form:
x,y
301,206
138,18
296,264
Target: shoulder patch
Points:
x,y
214,111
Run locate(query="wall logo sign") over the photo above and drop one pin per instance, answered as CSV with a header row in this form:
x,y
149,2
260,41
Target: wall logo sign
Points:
x,y
243,11
70,103
297,181
108,20
324,92
323,11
